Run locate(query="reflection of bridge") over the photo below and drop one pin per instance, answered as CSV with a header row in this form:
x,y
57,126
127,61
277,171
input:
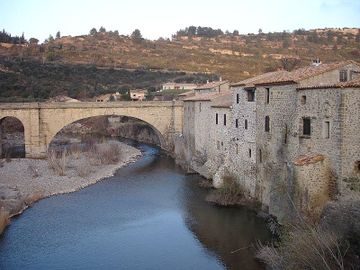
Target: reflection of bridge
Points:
x,y
42,121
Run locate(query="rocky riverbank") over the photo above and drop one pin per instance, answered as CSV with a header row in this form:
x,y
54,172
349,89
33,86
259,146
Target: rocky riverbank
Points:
x,y
24,181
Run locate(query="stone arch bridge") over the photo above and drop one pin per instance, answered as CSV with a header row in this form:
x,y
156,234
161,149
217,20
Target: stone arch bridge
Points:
x,y
42,121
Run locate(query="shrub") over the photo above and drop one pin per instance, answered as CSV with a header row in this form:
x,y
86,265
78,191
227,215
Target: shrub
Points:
x,y
58,164
229,194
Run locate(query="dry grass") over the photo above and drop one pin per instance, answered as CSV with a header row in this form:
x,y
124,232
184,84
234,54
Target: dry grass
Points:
x,y
305,247
57,162
83,169
106,153
230,193
75,150
4,219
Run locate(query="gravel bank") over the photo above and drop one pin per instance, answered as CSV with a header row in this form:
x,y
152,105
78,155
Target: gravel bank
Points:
x,y
24,181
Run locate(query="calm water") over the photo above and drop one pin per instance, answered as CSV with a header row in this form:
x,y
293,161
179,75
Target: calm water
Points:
x,y
150,215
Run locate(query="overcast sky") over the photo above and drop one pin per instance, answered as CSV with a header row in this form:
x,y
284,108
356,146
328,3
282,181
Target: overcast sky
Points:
x,y
162,18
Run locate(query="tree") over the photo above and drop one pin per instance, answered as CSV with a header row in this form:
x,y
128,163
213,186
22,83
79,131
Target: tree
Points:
x,y
289,64
235,33
260,31
136,35
58,34
50,38
93,31
34,41
102,29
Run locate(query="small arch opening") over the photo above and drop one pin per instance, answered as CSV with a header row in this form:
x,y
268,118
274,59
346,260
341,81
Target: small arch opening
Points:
x,y
12,138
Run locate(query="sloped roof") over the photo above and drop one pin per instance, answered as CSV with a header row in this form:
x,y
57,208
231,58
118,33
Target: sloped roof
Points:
x,y
205,97
223,101
211,85
295,76
350,84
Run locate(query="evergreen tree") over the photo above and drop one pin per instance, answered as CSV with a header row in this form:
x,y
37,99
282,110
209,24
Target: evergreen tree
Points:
x,y
93,31
102,30
136,35
58,34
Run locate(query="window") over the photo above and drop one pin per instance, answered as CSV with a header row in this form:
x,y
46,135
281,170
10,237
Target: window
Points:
x,y
260,156
267,123
237,98
224,119
343,75
246,124
249,153
303,100
285,134
199,107
216,118
327,130
250,95
306,126
267,95
236,123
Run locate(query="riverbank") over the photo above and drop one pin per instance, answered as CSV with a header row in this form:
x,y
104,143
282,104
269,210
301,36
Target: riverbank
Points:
x,y
24,181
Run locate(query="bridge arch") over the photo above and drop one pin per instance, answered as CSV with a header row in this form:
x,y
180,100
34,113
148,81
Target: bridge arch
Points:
x,y
160,136
12,137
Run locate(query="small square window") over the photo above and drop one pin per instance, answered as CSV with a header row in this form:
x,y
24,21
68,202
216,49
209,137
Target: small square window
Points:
x,y
250,95
343,76
303,100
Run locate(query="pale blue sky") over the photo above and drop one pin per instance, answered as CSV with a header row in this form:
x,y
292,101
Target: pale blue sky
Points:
x,y
155,18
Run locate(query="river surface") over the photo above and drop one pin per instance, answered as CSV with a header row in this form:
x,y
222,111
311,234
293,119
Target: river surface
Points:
x,y
149,215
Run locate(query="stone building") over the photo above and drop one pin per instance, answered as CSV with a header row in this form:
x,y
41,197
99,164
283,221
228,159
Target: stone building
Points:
x,y
288,138
206,120
213,87
280,118
138,94
179,86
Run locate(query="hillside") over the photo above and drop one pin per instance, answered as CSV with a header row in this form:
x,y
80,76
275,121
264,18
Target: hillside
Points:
x,y
230,55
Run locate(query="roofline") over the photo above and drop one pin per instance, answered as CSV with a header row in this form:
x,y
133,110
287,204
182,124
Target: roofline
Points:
x,y
339,65
276,83
328,87
237,84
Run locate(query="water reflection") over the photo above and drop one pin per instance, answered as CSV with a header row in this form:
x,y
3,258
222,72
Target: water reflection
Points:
x,y
150,215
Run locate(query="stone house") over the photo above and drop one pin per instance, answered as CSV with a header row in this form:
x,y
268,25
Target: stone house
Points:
x,y
179,86
138,94
108,97
280,118
205,128
213,87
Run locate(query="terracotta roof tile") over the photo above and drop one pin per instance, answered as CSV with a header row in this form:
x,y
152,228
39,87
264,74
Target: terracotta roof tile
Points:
x,y
308,159
279,77
223,101
210,85
350,84
205,97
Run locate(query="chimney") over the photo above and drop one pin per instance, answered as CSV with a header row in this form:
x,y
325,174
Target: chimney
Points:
x,y
207,81
220,79
316,62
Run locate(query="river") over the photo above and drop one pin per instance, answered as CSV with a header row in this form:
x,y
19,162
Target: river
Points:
x,y
149,215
